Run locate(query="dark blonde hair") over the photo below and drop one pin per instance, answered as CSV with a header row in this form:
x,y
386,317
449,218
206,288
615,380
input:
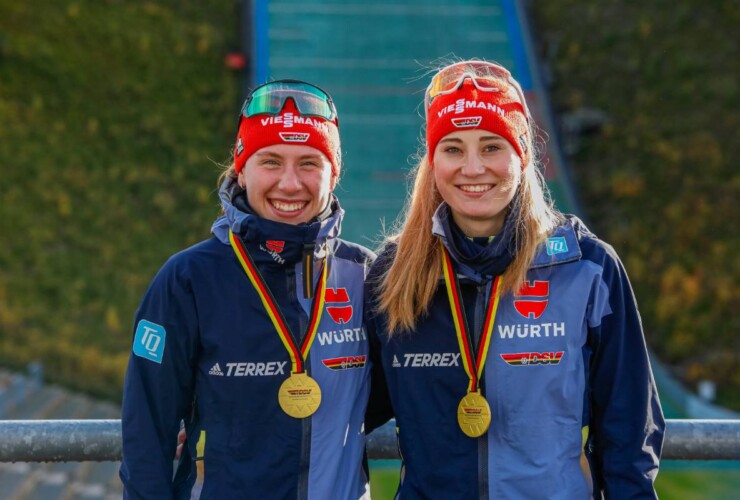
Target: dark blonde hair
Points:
x,y
228,171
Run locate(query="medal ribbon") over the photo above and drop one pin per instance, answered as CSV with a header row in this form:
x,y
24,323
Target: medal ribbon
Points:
x,y
473,365
297,355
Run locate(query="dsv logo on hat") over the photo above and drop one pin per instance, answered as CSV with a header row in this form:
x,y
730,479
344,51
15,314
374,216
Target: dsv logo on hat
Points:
x,y
340,314
467,122
294,136
535,303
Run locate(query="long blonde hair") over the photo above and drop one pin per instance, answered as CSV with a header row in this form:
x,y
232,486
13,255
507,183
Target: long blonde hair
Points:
x,y
408,285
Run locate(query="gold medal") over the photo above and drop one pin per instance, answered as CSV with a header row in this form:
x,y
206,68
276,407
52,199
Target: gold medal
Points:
x,y
299,395
474,414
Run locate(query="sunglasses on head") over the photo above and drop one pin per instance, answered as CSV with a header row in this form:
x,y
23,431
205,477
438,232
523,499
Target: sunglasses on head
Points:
x,y
481,73
269,99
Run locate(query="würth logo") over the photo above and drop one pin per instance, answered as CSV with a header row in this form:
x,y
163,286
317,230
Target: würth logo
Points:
x,y
340,314
536,293
275,245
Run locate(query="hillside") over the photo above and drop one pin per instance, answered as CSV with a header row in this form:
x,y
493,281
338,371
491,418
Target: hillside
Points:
x,y
659,180
113,116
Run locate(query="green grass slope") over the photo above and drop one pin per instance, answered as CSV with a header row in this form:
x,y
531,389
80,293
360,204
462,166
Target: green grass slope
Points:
x,y
112,114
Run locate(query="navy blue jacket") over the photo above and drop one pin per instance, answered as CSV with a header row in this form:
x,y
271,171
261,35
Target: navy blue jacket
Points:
x,y
206,352
567,361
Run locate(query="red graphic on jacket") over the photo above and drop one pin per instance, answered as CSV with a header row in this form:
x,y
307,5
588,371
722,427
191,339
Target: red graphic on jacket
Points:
x,y
531,299
275,245
345,362
340,314
533,358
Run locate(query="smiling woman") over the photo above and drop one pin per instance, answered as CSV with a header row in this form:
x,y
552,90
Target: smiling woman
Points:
x,y
477,174
287,182
225,334
549,393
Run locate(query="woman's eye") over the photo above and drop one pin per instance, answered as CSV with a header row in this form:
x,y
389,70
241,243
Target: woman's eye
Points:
x,y
490,148
452,149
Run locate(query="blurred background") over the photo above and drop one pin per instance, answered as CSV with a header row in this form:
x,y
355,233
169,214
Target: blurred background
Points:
x,y
116,116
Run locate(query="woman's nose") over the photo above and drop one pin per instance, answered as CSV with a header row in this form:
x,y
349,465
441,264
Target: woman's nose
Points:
x,y
290,180
472,166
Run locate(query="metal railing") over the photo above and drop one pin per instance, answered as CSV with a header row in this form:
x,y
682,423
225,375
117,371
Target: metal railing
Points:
x,y
100,440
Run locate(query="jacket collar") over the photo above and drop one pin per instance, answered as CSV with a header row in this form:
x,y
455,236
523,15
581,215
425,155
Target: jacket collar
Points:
x,y
479,263
282,243
561,246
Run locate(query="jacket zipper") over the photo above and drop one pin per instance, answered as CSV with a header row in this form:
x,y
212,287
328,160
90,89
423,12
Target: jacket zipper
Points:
x,y
480,311
304,461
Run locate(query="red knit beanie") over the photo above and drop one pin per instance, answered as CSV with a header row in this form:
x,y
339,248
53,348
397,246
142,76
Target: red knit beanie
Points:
x,y
289,127
469,108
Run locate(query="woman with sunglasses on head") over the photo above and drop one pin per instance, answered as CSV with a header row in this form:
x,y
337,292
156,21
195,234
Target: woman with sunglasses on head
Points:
x,y
237,335
506,333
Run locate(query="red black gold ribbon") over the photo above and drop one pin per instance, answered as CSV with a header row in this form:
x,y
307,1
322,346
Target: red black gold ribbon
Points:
x,y
473,365
297,354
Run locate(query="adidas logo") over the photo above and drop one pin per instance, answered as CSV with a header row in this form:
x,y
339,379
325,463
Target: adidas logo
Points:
x,y
395,364
216,370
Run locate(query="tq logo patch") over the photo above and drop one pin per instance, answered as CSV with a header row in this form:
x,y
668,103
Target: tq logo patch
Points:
x,y
531,299
341,314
